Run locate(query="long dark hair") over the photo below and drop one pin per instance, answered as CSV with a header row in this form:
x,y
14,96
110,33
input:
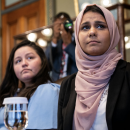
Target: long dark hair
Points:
x,y
94,8
10,82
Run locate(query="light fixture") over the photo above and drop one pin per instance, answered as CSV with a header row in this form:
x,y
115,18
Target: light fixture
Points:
x,y
42,42
32,37
121,1
84,5
127,45
105,2
126,39
47,32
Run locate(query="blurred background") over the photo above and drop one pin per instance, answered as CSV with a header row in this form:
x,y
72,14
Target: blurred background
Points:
x,y
33,20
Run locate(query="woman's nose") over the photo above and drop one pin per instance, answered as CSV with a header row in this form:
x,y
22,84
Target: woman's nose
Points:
x,y
92,32
24,63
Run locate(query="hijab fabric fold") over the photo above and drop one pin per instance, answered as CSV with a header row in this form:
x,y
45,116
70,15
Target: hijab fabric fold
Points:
x,y
94,73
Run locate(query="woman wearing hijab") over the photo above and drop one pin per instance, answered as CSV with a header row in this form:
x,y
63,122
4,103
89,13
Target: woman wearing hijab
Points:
x,y
97,97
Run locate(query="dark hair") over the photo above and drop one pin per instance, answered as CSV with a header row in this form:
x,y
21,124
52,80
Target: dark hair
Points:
x,y
94,8
10,82
59,16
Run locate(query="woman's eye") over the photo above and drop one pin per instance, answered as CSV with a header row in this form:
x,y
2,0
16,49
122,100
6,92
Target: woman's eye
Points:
x,y
30,57
85,27
100,26
17,61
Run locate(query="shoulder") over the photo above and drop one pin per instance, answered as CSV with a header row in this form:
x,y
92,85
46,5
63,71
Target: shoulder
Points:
x,y
69,78
43,107
122,68
47,90
49,86
45,94
123,65
67,84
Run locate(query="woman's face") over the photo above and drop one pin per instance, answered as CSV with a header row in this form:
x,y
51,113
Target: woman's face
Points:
x,y
94,37
27,63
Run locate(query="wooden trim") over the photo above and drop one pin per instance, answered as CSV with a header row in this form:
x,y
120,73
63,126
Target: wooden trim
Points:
x,y
115,6
3,4
17,14
4,55
120,17
76,6
42,12
127,20
126,6
0,31
22,4
6,7
19,36
112,7
16,3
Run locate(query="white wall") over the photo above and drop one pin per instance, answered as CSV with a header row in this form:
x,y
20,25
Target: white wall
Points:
x,y
66,6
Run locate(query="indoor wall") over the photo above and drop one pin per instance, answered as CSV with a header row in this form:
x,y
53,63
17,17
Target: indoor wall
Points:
x,y
17,19
66,6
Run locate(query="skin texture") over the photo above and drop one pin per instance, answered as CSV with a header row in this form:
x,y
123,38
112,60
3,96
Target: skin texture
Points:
x,y
59,31
94,37
56,28
27,64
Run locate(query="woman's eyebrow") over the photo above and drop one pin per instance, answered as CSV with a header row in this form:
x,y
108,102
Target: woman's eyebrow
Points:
x,y
100,22
29,53
85,23
25,55
17,57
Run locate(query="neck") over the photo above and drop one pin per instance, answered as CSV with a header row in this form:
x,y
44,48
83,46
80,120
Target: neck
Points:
x,y
27,83
54,40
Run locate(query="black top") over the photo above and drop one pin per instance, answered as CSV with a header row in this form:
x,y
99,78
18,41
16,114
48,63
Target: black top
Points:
x,y
118,100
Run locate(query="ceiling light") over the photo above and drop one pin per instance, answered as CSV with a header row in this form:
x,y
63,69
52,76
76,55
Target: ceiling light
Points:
x,y
47,32
106,2
121,1
126,39
32,37
127,45
42,42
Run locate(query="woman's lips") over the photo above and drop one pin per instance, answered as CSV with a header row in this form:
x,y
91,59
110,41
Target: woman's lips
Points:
x,y
25,70
93,42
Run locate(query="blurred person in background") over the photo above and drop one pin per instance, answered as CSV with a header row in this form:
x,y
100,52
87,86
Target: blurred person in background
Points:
x,y
61,51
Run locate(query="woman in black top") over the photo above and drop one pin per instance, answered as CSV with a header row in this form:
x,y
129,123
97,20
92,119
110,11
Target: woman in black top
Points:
x,y
98,96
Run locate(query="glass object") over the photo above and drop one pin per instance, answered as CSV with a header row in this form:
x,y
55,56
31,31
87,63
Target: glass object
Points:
x,y
16,114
